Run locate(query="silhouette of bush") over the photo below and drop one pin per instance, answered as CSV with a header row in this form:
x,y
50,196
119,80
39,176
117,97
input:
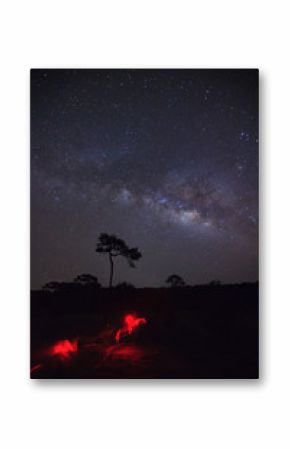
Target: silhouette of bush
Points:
x,y
60,286
125,286
214,283
174,280
87,280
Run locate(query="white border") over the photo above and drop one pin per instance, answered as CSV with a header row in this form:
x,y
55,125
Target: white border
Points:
x,y
144,34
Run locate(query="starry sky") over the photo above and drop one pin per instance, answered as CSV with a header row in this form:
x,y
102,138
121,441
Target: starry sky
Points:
x,y
165,159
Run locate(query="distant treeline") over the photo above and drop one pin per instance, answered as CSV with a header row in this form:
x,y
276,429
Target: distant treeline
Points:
x,y
90,283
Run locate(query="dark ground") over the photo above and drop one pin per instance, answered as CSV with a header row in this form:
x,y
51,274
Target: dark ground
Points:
x,y
206,332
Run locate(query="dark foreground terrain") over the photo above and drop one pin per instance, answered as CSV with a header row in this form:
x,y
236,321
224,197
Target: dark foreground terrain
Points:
x,y
191,332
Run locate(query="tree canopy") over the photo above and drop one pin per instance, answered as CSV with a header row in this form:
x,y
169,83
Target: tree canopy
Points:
x,y
114,247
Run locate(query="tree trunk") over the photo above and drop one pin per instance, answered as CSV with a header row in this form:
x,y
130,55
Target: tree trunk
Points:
x,y
111,271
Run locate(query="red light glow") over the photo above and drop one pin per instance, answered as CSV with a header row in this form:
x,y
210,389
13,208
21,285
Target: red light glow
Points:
x,y
36,367
121,352
131,322
64,349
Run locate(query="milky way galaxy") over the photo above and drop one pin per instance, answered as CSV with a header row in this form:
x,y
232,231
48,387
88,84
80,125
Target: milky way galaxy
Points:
x,y
165,159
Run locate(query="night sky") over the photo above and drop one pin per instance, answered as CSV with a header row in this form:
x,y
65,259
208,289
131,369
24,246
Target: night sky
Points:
x,y
165,159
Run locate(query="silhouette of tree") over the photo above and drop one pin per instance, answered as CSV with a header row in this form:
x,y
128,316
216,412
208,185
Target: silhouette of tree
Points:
x,y
125,286
63,287
214,283
87,280
115,247
175,281
82,280
52,286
